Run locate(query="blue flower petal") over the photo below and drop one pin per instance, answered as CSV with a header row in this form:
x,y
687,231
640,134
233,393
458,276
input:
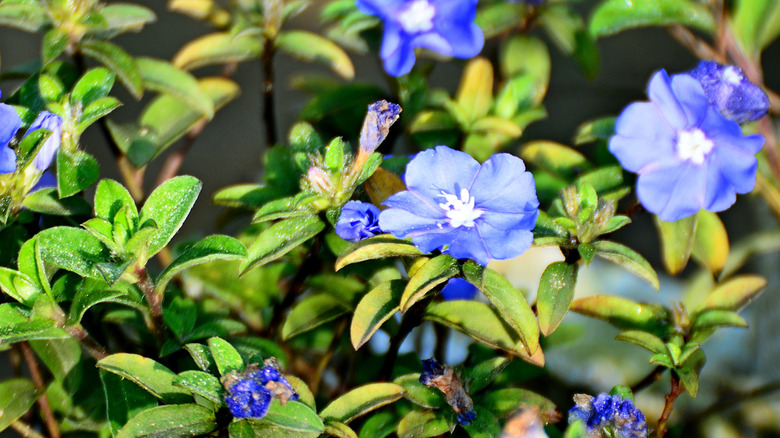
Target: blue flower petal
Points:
x,y
404,223
503,185
466,40
506,244
7,160
9,123
397,53
720,193
421,206
673,193
689,93
459,289
661,94
442,169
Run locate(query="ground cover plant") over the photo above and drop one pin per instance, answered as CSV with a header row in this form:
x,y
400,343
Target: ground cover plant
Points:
x,y
370,282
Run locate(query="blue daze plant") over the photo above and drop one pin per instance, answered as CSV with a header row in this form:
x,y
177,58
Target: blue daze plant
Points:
x,y
688,156
358,221
443,26
469,210
608,416
249,394
48,149
729,91
448,381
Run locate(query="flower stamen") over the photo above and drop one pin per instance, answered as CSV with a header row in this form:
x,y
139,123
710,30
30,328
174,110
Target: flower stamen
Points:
x,y
460,210
417,17
693,146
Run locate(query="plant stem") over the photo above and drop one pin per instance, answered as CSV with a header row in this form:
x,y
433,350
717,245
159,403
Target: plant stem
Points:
x,y
155,300
175,159
411,319
269,115
669,400
649,379
25,430
325,360
87,342
43,401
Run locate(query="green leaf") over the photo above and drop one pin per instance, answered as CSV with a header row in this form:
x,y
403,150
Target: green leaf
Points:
x,y
78,251
279,239
181,420
202,384
756,23
294,416
482,323
225,356
30,330
676,242
16,396
126,17
216,247
420,394
577,430
55,41
718,318
19,286
146,373
613,16
76,171
510,303
556,292
96,110
625,314
86,298
554,157
118,61
23,16
503,402
592,130
689,372
433,273
310,47
378,247
475,92
168,206
499,17
525,55
95,84
380,425
124,400
305,395
483,374
248,196
485,425
711,243
110,197
63,358
646,340
298,205
163,77
202,357
46,201
361,400
217,48
374,309
423,424
311,313
628,259
734,294
339,430
251,429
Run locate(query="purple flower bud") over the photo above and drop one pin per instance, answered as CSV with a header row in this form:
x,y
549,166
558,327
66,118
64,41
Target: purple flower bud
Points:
x,y
9,124
729,91
358,221
459,289
381,115
443,26
53,123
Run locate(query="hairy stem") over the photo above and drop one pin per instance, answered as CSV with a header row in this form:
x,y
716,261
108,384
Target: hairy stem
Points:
x,y
43,402
175,159
269,115
669,400
87,342
155,300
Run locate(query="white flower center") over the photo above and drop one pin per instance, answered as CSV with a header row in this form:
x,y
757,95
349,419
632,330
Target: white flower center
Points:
x,y
731,75
693,146
460,210
417,17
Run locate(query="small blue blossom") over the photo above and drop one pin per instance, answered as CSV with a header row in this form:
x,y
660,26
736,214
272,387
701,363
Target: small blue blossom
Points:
x,y
443,26
358,221
9,124
459,289
380,117
688,156
609,413
250,393
468,210
729,91
53,123
446,380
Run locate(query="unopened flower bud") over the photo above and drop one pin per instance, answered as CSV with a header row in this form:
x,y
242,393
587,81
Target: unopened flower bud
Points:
x,y
381,115
446,380
319,180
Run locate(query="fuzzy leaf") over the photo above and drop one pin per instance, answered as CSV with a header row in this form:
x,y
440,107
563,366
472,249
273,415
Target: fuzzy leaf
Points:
x,y
556,292
361,400
374,309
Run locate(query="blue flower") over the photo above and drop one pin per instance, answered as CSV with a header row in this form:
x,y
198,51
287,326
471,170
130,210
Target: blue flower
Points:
x,y
9,124
469,211
443,26
611,412
248,398
53,123
459,289
729,91
250,393
688,156
358,221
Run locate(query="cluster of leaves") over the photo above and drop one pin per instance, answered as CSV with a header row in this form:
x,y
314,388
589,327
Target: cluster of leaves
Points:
x,y
136,336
